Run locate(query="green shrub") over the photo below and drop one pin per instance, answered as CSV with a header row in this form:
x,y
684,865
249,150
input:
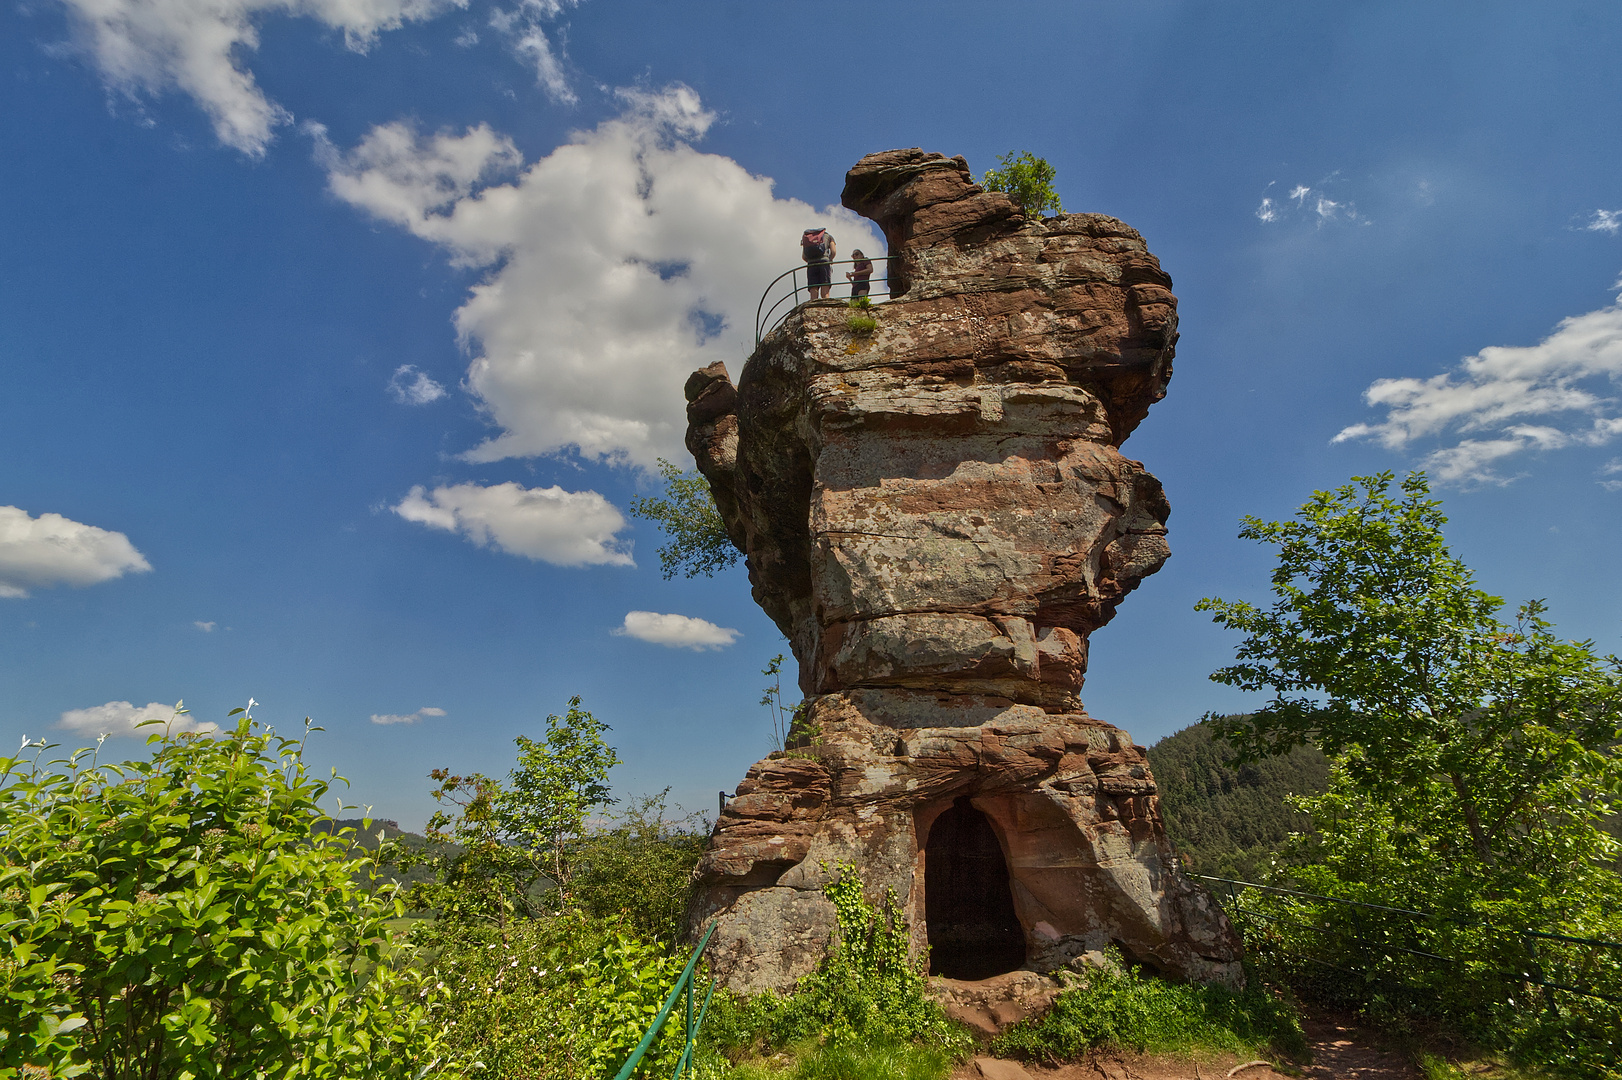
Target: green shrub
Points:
x,y
878,1059
862,324
867,992
1114,1006
178,918
1028,180
552,998
639,868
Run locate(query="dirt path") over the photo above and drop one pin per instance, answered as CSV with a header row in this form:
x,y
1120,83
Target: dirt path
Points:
x,y
1340,1051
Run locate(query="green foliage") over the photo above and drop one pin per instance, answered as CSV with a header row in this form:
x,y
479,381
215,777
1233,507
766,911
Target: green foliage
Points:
x,y
1028,180
1464,965
785,718
639,869
181,917
560,997
861,324
867,990
876,1059
859,303
1117,1007
509,846
1381,650
1473,768
698,541
380,837
554,940
1230,818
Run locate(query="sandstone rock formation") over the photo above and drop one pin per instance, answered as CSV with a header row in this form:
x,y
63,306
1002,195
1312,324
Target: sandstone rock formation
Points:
x,y
937,515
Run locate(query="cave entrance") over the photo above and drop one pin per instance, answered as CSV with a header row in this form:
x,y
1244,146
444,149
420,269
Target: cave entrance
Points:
x,y
968,903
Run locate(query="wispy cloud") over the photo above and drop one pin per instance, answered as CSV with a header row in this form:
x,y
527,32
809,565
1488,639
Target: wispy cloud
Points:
x,y
122,718
1310,204
407,718
1612,468
409,386
207,626
676,631
1507,400
1605,221
524,27
54,550
565,528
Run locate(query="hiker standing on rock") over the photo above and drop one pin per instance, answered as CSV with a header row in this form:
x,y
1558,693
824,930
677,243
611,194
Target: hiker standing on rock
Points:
x,y
860,274
818,249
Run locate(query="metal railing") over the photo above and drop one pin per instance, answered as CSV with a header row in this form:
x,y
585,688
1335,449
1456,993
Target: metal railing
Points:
x,y
796,294
1532,972
690,1038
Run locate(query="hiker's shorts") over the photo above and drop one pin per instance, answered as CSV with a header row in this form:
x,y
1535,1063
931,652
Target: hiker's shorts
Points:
x,y
819,273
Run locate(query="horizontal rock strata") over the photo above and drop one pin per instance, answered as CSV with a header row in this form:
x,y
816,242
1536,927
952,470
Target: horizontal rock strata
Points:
x,y
937,515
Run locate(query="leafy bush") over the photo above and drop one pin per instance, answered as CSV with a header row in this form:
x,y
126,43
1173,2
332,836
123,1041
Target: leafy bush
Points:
x,y
1028,180
698,541
1117,1007
1474,771
508,851
867,990
179,918
553,998
640,868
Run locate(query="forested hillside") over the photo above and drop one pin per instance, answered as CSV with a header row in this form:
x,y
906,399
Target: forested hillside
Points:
x,y
1230,819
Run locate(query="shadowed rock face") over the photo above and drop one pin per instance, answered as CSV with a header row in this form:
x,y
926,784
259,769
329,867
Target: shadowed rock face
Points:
x,y
937,515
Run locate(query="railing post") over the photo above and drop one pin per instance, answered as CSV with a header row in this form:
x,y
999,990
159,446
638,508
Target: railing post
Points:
x,y
687,1047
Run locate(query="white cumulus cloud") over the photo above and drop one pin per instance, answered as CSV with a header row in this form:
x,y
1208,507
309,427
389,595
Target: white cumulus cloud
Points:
x,y
144,48
54,550
409,386
676,631
617,264
1508,399
565,528
406,718
122,718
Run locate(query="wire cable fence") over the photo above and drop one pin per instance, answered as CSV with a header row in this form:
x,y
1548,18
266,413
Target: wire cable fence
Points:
x,y
1594,965
1484,972
791,290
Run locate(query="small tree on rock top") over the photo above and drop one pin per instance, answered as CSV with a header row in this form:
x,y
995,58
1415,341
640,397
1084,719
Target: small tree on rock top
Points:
x,y
1028,180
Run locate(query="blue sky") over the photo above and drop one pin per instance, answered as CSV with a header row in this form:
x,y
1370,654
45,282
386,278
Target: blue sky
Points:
x,y
335,337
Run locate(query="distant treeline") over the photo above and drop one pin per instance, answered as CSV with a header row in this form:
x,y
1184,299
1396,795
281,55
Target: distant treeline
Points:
x,y
1226,819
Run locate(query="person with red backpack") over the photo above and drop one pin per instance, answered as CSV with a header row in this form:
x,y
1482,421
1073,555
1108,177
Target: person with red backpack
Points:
x,y
818,249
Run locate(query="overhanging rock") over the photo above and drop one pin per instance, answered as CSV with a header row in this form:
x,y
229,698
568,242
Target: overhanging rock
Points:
x,y
937,515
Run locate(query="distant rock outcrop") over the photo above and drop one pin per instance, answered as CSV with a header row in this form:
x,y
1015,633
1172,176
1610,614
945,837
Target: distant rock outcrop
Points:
x,y
936,513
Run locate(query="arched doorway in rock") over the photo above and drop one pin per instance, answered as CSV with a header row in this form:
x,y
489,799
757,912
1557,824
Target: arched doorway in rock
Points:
x,y
968,903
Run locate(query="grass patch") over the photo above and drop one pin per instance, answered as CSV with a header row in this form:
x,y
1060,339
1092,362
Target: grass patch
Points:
x,y
1117,1007
876,1060
862,324
1490,1067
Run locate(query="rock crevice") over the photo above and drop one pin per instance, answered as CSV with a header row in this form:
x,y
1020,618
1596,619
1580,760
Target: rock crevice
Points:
x,y
937,515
